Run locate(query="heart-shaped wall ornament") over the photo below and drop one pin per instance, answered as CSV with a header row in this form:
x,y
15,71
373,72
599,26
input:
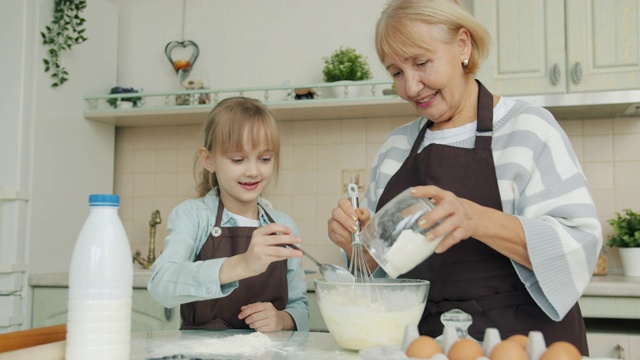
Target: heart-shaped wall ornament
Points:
x,y
182,62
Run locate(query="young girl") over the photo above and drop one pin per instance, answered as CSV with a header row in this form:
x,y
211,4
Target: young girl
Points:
x,y
225,259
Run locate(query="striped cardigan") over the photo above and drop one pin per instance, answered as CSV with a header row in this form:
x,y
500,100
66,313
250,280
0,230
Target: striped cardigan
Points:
x,y
540,182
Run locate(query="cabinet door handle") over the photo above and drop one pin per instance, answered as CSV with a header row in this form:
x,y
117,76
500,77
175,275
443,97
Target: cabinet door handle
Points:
x,y
556,74
576,72
168,313
620,351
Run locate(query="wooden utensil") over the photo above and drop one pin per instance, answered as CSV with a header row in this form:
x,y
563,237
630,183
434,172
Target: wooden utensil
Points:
x,y
32,337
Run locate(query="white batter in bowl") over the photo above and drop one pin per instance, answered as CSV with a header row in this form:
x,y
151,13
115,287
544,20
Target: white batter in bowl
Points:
x,y
359,315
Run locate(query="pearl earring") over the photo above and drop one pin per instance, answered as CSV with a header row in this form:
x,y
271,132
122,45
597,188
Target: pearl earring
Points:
x,y
465,63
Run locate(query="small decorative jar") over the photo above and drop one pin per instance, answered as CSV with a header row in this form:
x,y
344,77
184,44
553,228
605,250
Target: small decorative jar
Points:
x,y
601,265
194,81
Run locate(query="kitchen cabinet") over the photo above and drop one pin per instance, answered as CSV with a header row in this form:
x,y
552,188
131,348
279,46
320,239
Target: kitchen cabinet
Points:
x,y
50,308
149,315
554,47
316,322
616,346
610,307
634,345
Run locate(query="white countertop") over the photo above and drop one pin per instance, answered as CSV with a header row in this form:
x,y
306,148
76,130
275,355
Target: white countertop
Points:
x,y
606,286
205,344
613,285
284,345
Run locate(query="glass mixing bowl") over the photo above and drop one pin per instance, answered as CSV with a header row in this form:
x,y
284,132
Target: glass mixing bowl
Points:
x,y
359,315
392,235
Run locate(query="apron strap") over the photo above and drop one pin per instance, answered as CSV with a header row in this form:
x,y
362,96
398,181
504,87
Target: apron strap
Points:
x,y
484,127
485,109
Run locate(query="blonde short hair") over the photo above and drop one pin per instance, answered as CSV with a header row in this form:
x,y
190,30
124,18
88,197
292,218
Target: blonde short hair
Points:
x,y
396,35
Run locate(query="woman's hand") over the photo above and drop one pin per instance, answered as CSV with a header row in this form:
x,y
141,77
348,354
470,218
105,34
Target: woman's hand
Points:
x,y
343,223
265,248
457,219
264,317
453,217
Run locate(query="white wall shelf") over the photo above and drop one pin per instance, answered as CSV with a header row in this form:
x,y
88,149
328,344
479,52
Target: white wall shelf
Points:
x,y
160,109
320,109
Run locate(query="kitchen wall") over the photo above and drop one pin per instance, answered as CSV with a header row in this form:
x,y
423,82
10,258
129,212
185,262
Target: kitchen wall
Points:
x,y
154,170
242,42
239,47
48,150
607,150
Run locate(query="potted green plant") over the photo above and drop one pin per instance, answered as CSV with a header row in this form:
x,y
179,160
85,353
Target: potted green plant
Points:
x,y
125,102
626,238
346,65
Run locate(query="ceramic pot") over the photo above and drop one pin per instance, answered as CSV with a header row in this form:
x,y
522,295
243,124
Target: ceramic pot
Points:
x,y
125,105
344,89
630,261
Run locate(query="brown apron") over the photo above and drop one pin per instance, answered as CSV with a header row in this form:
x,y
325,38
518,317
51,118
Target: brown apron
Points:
x,y
222,313
471,276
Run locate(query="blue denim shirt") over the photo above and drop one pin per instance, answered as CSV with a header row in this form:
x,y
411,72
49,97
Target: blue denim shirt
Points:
x,y
177,279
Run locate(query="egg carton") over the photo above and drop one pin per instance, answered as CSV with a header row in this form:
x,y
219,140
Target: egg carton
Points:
x,y
535,346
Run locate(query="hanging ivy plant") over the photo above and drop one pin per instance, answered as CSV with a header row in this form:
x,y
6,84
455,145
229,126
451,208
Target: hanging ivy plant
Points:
x,y
65,30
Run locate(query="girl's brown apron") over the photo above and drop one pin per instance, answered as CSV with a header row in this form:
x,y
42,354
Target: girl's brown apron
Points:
x,y
471,276
222,313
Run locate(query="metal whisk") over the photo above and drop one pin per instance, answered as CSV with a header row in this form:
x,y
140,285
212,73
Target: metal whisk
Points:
x,y
358,264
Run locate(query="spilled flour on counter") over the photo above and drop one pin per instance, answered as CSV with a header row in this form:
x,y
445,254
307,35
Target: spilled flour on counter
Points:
x,y
251,345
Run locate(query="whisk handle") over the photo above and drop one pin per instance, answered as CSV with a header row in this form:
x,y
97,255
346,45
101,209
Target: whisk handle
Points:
x,y
352,194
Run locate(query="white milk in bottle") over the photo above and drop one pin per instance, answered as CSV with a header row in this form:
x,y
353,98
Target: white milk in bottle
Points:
x,y
100,286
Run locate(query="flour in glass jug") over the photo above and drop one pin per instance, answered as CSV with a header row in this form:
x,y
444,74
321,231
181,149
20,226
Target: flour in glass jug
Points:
x,y
394,239
410,249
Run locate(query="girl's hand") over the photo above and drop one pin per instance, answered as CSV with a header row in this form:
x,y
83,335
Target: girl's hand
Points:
x,y
264,317
458,217
343,223
264,249
267,246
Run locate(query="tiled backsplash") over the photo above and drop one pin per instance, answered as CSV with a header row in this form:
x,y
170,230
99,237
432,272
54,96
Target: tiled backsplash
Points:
x,y
154,170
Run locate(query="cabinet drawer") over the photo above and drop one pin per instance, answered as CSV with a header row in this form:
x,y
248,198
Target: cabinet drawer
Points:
x,y
10,311
616,346
610,307
316,323
50,308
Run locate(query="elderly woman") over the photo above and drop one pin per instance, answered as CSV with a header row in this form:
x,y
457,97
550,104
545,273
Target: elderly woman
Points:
x,y
521,233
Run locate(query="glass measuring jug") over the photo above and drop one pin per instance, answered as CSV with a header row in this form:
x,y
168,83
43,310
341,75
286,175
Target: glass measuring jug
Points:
x,y
392,235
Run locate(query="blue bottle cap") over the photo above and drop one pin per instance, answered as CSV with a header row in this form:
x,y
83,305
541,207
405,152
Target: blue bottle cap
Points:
x,y
104,200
